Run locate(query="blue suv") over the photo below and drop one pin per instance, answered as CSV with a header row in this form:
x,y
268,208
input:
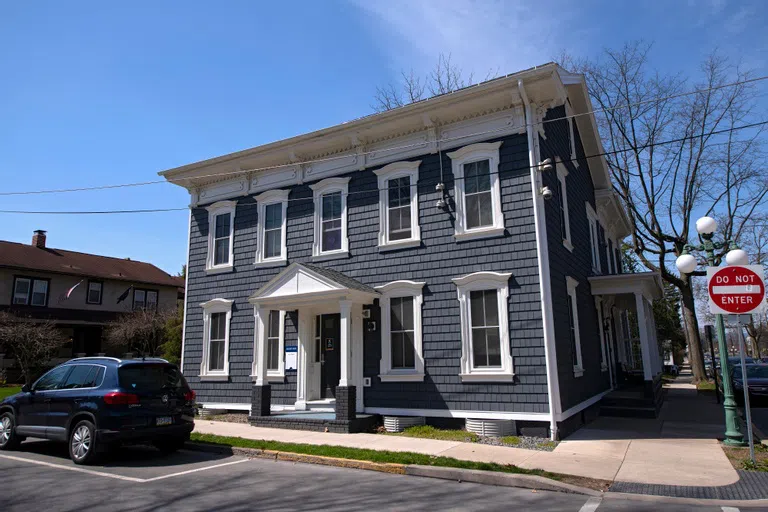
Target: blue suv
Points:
x,y
94,403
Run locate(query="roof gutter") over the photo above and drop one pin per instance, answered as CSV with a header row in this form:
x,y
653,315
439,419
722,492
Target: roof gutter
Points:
x,y
542,250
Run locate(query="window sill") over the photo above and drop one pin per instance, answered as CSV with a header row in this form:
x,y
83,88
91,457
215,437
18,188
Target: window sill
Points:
x,y
222,269
479,234
270,263
487,377
578,372
214,378
402,377
393,246
567,244
335,255
271,378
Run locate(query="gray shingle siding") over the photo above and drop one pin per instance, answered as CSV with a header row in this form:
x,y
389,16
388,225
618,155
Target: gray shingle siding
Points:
x,y
439,259
577,264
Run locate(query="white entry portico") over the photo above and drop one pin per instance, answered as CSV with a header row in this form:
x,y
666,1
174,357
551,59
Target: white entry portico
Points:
x,y
312,291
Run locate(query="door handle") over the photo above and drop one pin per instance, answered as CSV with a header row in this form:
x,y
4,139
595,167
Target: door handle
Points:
x,y
47,400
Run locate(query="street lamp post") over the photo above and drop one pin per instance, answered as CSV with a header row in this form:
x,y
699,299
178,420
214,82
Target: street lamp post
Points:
x,y
686,263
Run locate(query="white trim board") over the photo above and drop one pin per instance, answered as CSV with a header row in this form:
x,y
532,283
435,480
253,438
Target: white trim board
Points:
x,y
443,413
227,406
581,406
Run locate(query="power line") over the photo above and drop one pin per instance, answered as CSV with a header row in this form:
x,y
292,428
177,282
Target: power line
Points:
x,y
376,190
406,146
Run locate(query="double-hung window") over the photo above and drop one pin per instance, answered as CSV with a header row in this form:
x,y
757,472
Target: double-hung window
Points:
x,y
594,240
399,205
562,199
573,326
330,197
217,315
486,352
275,340
477,191
144,299
94,292
29,291
221,231
271,244
401,338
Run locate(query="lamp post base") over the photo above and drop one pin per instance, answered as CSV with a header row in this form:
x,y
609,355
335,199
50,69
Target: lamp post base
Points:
x,y
733,435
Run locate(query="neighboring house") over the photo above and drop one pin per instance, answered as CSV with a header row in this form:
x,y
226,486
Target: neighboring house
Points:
x,y
35,279
424,261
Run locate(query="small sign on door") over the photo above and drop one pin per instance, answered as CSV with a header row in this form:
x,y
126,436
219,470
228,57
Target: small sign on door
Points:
x,y
328,343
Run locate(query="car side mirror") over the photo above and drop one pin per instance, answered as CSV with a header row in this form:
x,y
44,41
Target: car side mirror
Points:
x,y
26,388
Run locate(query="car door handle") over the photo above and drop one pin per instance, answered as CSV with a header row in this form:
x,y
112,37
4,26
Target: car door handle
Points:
x,y
47,400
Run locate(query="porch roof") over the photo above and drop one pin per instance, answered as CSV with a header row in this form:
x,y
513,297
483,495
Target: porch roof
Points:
x,y
649,284
305,284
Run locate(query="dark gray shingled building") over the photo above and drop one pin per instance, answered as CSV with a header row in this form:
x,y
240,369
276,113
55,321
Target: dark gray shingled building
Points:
x,y
454,259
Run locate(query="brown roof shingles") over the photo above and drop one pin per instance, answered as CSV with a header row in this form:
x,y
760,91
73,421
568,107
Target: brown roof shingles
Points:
x,y
31,258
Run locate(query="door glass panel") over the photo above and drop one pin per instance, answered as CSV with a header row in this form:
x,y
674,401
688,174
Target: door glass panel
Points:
x,y
52,379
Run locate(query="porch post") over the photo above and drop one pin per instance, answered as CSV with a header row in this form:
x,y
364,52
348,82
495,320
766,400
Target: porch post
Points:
x,y
645,346
346,396
261,397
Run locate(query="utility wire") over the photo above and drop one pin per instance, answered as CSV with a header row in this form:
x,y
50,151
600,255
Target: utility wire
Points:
x,y
406,146
376,190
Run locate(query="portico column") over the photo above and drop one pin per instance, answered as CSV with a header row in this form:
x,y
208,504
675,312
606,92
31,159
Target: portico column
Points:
x,y
261,397
645,347
346,394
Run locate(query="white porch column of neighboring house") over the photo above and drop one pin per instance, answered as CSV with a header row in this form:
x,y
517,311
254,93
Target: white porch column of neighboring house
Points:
x,y
645,342
261,398
345,343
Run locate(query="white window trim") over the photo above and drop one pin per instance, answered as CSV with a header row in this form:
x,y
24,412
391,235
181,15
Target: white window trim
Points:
x,y
569,116
389,291
319,189
88,292
594,240
601,319
219,208
468,154
272,375
263,200
571,284
485,281
562,173
393,171
215,306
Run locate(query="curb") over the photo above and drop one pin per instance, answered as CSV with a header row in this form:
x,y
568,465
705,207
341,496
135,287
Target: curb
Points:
x,y
684,501
444,473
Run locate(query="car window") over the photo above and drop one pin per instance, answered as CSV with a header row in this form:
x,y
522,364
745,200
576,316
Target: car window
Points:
x,y
52,379
151,377
84,376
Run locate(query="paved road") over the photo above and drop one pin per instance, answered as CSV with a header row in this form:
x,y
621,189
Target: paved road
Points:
x,y
39,477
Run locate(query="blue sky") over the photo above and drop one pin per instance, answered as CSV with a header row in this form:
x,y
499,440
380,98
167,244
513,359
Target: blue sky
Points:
x,y
95,93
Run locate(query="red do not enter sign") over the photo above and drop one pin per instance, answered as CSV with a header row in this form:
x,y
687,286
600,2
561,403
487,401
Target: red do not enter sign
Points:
x,y
736,290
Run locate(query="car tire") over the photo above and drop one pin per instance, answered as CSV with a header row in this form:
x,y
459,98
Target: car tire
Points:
x,y
82,443
170,445
9,439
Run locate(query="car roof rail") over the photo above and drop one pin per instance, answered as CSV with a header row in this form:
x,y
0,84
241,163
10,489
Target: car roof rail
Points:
x,y
100,358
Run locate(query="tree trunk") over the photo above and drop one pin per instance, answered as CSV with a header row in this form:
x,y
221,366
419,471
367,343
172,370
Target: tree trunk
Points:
x,y
695,354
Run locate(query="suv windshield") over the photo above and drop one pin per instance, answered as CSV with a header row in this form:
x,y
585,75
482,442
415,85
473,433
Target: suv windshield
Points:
x,y
151,377
753,372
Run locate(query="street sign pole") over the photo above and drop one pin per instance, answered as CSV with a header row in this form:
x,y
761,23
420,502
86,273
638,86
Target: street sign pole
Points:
x,y
742,320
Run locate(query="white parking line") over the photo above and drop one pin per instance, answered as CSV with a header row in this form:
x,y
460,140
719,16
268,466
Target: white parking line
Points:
x,y
591,505
729,509
119,477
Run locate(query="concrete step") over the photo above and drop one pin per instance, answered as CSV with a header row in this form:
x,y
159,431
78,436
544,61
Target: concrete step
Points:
x,y
628,412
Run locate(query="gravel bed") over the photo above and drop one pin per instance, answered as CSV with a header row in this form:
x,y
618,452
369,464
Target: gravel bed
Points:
x,y
230,417
529,443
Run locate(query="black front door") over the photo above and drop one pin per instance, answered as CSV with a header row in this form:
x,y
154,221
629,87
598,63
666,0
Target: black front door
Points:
x,y
330,332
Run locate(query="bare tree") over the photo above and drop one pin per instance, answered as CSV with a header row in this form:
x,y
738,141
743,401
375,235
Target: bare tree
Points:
x,y
445,77
754,240
711,167
141,331
32,343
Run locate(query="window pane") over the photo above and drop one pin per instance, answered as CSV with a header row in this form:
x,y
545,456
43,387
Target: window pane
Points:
x,y
494,346
221,251
491,307
39,292
151,299
273,354
479,353
407,318
473,211
216,362
396,307
138,299
272,243
94,292
52,379
21,293
476,308
274,216
222,225
332,206
274,324
218,326
485,212
394,221
331,237
397,350
79,377
408,350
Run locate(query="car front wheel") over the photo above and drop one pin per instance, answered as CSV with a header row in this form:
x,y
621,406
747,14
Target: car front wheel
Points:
x,y
9,439
82,443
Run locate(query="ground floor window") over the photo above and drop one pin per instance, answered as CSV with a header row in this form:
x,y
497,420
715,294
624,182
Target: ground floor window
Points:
x,y
401,333
573,326
217,315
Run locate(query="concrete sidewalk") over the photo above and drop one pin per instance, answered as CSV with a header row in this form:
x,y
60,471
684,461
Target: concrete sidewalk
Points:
x,y
678,448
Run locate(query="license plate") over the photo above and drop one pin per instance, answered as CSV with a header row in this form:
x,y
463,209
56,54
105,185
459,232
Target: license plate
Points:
x,y
164,420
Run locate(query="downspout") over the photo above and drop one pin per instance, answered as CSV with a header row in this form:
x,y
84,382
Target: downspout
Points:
x,y
542,250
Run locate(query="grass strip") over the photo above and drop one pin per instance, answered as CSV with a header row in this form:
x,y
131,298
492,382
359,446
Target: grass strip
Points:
x,y
382,456
6,391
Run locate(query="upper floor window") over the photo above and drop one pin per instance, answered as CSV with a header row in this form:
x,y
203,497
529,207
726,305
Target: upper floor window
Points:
x,y
401,338
486,353
571,136
271,245
594,239
330,197
94,292
221,231
29,291
477,191
144,299
399,205
562,198
217,315
573,326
